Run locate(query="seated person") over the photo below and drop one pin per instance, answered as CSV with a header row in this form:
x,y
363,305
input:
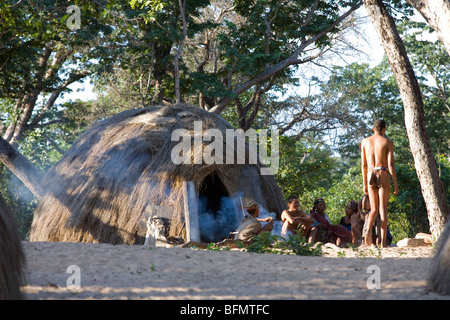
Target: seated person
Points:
x,y
251,226
353,222
345,220
297,221
336,234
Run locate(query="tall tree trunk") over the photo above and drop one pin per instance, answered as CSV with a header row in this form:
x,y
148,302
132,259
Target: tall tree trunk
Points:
x,y
425,163
437,14
21,167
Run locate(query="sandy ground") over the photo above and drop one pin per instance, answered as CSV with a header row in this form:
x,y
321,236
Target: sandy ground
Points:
x,y
137,272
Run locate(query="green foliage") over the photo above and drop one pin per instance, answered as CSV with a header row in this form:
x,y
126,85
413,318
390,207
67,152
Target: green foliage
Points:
x,y
19,200
298,245
294,244
227,43
407,212
29,29
263,243
431,64
212,246
367,94
303,166
342,191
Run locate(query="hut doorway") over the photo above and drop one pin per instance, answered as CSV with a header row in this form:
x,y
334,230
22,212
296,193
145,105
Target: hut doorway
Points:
x,y
216,210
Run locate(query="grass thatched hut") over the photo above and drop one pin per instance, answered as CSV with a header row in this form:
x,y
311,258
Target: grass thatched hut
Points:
x,y
12,258
122,166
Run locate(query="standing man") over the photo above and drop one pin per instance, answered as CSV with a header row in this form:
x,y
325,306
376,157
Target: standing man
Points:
x,y
377,162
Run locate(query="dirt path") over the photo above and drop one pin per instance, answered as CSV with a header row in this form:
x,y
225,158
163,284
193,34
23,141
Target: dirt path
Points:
x,y
135,272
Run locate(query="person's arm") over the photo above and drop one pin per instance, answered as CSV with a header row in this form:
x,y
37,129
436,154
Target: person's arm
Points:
x,y
364,168
362,216
285,216
391,165
360,211
306,219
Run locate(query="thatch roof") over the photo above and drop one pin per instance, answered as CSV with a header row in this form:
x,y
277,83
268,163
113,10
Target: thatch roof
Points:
x,y
12,259
121,166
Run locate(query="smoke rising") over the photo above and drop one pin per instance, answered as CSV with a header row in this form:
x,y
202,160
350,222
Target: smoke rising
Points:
x,y
216,225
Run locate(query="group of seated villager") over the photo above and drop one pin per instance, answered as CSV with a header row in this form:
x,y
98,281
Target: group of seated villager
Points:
x,y
315,226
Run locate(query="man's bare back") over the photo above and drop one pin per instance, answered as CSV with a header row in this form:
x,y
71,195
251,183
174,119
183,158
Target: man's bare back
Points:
x,y
377,166
376,149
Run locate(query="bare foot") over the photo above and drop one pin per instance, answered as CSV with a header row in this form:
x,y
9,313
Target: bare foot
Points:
x,y
365,246
368,241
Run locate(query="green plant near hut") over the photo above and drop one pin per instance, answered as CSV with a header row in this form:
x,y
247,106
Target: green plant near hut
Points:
x,y
213,247
294,244
300,247
263,243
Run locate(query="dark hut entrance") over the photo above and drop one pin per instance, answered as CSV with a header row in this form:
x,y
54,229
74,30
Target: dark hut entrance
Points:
x,y
216,210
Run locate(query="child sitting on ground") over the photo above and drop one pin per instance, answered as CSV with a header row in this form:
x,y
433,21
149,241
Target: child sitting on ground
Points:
x,y
297,221
353,222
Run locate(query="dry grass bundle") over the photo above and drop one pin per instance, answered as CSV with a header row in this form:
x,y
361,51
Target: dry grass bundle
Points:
x,y
120,167
439,279
12,258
